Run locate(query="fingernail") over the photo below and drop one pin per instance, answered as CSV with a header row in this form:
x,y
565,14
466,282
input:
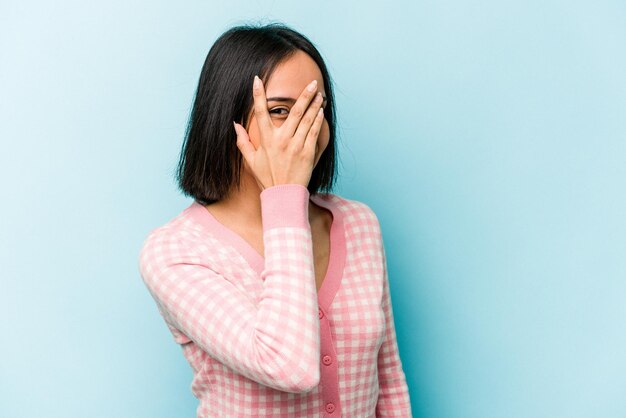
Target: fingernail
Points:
x,y
312,85
257,82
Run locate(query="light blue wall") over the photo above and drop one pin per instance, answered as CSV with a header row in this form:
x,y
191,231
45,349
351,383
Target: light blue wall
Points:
x,y
488,136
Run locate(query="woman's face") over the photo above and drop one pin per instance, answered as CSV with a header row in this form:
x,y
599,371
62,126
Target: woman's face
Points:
x,y
288,80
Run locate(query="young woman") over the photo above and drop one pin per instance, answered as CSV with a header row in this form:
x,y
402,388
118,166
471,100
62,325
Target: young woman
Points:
x,y
276,291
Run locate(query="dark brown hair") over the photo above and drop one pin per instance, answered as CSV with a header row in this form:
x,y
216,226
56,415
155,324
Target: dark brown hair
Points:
x,y
210,161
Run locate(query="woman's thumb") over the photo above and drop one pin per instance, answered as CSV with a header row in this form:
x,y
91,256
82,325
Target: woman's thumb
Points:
x,y
243,142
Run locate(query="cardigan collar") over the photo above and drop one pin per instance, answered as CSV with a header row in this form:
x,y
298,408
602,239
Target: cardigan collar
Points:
x,y
337,256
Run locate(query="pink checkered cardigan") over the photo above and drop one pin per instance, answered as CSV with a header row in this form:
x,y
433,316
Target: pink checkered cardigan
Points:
x,y
260,338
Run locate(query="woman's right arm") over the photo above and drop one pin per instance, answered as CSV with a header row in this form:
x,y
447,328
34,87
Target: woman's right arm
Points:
x,y
275,343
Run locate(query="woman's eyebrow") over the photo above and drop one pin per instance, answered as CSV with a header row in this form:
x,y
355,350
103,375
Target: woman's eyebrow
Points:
x,y
288,99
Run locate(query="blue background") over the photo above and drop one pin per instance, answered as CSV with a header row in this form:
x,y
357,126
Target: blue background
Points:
x,y
488,136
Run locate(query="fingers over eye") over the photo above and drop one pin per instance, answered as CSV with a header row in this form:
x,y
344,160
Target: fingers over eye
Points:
x,y
309,117
299,108
312,136
260,104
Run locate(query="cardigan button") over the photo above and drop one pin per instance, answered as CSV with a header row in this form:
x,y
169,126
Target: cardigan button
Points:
x,y
330,407
320,313
327,360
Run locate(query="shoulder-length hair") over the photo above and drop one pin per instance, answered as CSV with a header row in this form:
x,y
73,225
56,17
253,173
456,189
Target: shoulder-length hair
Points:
x,y
210,161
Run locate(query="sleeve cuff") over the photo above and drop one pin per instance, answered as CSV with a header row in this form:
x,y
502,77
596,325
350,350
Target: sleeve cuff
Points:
x,y
285,205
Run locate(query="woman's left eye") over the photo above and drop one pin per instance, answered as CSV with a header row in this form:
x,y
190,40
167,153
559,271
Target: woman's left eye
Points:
x,y
278,109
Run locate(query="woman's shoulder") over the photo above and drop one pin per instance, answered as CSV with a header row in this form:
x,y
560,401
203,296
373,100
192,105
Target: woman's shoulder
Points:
x,y
355,213
182,230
